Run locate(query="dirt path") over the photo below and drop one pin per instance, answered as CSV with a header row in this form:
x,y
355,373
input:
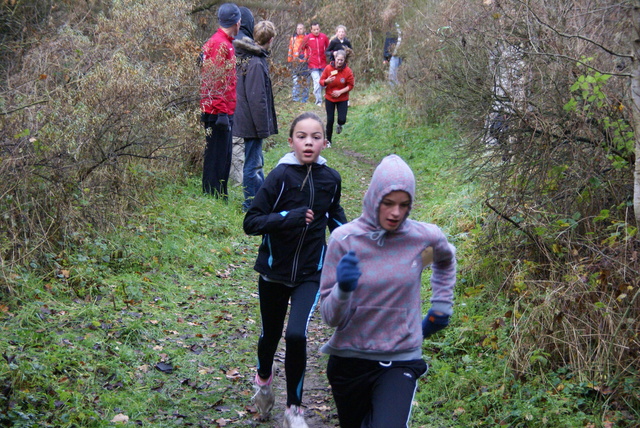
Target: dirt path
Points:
x,y
317,401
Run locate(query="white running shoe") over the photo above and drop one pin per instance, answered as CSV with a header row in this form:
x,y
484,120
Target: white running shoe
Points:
x,y
264,397
294,418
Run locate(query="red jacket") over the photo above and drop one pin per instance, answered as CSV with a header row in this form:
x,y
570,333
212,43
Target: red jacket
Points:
x,y
315,48
218,87
344,79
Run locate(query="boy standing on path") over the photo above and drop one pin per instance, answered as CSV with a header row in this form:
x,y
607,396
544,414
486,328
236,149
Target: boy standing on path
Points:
x,y
218,100
315,46
391,57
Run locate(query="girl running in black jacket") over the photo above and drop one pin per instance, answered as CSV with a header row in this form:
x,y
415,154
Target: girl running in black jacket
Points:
x,y
299,199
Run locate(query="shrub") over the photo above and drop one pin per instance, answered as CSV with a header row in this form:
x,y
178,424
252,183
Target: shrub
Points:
x,y
97,113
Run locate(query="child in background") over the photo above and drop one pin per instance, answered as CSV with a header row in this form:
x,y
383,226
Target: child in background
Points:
x,y
299,199
338,79
370,289
314,45
338,42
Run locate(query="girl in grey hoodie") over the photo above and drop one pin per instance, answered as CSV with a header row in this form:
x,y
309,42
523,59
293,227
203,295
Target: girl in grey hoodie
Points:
x,y
370,290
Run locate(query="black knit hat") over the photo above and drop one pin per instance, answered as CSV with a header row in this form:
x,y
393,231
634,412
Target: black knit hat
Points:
x,y
228,15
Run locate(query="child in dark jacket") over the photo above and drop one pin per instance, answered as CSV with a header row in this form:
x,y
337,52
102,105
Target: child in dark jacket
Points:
x,y
299,199
370,290
339,42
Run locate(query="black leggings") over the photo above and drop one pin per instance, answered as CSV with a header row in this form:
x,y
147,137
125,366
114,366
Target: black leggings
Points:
x,y
373,394
331,107
274,301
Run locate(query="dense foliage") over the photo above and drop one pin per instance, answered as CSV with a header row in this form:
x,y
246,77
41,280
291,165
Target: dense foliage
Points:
x,y
99,106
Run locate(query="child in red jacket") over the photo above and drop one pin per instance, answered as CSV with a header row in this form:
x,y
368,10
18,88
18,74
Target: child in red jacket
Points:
x,y
338,80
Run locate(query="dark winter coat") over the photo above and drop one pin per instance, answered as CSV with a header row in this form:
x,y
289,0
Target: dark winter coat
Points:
x,y
390,43
255,115
335,45
293,251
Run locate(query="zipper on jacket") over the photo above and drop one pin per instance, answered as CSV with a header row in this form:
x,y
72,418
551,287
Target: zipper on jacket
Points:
x,y
296,257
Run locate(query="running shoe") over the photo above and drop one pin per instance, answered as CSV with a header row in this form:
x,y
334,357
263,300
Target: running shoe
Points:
x,y
338,129
264,397
294,418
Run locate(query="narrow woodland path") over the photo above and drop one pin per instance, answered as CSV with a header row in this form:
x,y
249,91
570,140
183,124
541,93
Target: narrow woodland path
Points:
x,y
320,409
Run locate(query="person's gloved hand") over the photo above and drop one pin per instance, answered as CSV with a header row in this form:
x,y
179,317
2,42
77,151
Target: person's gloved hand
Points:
x,y
348,272
433,323
223,121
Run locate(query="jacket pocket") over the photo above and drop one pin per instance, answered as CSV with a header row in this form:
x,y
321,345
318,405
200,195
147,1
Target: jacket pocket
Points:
x,y
374,328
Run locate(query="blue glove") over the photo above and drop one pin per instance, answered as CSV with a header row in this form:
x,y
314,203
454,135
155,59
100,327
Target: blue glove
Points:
x,y
348,272
433,323
222,122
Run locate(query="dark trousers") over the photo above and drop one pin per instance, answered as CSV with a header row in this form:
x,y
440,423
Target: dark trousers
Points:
x,y
274,301
252,173
331,107
217,156
373,394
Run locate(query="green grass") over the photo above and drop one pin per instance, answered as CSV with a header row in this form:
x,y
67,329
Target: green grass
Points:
x,y
159,320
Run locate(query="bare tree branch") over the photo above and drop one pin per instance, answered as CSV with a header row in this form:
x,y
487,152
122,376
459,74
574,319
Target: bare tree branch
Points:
x,y
574,36
588,66
2,113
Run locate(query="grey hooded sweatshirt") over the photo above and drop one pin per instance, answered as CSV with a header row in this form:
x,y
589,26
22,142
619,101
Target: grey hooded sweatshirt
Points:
x,y
381,319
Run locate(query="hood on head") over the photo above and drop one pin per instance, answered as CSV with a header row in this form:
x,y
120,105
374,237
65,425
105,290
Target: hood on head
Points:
x,y
391,174
246,24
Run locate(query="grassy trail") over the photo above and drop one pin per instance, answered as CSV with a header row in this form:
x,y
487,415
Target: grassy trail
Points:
x,y
157,324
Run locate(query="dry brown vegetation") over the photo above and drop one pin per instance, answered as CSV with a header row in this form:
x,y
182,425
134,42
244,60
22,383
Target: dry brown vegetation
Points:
x,y
542,90
100,100
96,109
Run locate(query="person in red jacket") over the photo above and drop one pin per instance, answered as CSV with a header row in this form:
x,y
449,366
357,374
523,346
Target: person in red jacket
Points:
x,y
218,100
315,44
338,80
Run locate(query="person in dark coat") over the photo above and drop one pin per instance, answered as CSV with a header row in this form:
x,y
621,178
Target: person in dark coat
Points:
x,y
246,24
391,57
237,157
339,42
255,117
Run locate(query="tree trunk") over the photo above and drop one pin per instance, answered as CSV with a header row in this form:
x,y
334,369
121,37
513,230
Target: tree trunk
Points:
x,y
635,94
